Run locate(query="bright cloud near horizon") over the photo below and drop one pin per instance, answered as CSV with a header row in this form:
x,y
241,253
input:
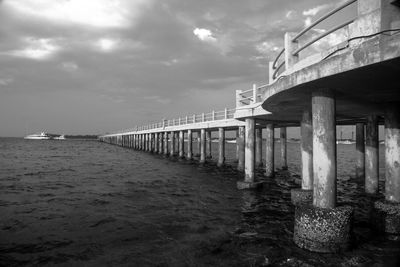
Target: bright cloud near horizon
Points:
x,y
95,66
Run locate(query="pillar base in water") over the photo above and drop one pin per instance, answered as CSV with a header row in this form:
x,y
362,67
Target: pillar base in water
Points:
x,y
301,196
323,230
248,185
387,218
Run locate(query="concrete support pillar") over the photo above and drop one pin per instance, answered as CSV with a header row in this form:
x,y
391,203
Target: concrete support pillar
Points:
x,y
324,148
155,143
259,162
388,211
249,168
283,149
241,147
249,151
237,145
306,146
360,151
172,144
305,193
189,145
148,143
198,144
323,227
208,149
203,146
181,144
372,155
221,147
160,143
165,143
392,153
269,151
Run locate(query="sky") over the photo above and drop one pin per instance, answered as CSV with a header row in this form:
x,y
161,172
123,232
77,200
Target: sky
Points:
x,y
96,66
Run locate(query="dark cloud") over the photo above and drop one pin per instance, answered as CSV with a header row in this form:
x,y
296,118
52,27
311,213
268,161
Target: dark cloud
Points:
x,y
155,68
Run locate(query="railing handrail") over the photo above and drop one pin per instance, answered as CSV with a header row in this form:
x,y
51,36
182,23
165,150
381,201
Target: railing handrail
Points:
x,y
321,36
322,18
191,119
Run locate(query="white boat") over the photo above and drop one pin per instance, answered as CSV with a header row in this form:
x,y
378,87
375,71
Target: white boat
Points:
x,y
61,137
41,136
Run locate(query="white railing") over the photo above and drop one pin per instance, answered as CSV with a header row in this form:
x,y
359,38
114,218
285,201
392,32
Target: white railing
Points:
x,y
289,55
191,119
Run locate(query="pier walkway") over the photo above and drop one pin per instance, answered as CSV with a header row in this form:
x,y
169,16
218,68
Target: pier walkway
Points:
x,y
354,82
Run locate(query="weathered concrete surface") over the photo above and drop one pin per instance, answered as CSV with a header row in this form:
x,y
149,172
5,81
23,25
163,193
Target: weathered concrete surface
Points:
x,y
376,59
324,148
172,144
166,143
208,149
372,155
241,147
269,151
306,146
221,147
387,219
283,148
259,161
189,145
301,196
323,230
360,151
203,146
249,163
181,145
392,152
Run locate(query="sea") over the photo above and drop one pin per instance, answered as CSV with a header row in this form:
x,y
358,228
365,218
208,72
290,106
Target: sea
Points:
x,y
86,203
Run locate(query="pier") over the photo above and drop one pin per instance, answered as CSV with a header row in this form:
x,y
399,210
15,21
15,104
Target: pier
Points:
x,y
351,83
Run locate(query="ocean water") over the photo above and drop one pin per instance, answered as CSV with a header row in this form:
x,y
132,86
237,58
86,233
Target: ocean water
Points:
x,y
85,203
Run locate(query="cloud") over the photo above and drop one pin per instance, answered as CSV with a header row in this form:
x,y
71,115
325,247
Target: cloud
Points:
x,y
69,66
36,48
95,13
307,21
315,10
290,14
204,35
106,44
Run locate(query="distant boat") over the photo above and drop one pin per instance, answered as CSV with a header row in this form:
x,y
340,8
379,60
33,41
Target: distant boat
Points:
x,y
41,136
61,137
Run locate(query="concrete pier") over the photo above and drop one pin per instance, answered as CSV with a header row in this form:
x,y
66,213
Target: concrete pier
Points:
x,y
324,148
208,149
160,143
202,146
388,211
172,144
269,151
305,193
241,148
237,144
181,144
249,169
189,145
259,161
372,155
221,147
323,227
342,85
392,153
198,143
283,148
166,143
360,151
